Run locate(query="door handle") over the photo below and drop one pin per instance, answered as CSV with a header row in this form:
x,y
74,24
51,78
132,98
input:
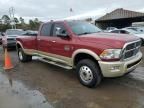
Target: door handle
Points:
x,y
53,41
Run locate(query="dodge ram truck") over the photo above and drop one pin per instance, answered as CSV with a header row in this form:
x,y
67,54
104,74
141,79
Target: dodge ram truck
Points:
x,y
83,47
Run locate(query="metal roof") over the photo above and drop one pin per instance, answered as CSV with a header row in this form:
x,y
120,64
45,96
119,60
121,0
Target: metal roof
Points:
x,y
120,14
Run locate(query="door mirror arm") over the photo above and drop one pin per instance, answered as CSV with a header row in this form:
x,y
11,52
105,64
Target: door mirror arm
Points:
x,y
64,35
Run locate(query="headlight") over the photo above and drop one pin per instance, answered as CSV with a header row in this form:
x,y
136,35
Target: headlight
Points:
x,y
109,54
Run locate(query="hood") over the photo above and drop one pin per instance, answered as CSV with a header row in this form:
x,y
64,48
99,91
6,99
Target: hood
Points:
x,y
110,39
11,36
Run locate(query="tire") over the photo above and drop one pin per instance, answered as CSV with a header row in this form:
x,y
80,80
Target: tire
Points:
x,y
142,42
88,73
23,57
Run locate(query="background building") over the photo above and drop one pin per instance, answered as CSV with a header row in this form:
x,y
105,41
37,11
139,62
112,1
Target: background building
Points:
x,y
119,18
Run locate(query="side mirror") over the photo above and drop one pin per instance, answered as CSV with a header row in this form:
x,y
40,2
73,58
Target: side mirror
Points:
x,y
2,33
64,35
61,32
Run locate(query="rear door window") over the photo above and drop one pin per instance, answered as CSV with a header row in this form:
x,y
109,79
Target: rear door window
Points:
x,y
46,29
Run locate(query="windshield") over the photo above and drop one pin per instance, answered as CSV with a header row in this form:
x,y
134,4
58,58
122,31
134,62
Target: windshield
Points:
x,y
14,32
81,28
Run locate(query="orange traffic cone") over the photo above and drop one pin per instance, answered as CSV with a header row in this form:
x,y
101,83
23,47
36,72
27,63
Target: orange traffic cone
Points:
x,y
8,64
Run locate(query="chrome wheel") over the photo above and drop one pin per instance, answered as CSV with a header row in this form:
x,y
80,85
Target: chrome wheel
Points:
x,y
86,74
20,55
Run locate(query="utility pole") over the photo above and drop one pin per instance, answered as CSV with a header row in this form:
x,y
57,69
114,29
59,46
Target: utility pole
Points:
x,y
12,21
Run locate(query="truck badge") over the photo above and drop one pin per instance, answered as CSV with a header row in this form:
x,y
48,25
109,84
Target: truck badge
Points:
x,y
67,48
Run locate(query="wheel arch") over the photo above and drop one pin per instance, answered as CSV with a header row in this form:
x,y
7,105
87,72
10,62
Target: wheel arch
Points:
x,y
19,45
84,54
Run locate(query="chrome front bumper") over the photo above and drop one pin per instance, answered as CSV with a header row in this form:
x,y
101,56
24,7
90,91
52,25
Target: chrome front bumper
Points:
x,y
119,68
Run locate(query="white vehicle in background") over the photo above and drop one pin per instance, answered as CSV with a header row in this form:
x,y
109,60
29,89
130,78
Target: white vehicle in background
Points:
x,y
9,37
30,33
130,31
109,29
138,29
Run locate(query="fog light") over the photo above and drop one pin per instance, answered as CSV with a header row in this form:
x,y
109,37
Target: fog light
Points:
x,y
115,68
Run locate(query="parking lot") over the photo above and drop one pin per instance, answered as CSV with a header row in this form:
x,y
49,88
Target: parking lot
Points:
x,y
61,89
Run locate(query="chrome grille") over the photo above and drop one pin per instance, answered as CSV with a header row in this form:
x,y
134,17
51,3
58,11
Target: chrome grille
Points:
x,y
131,49
11,39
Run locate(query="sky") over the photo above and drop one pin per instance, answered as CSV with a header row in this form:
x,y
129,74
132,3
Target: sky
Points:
x,y
46,10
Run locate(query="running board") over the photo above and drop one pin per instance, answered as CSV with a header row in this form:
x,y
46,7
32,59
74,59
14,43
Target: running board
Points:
x,y
55,63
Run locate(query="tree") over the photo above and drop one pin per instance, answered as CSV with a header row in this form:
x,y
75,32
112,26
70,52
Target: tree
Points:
x,y
20,23
16,20
0,21
6,19
36,20
34,24
31,24
89,19
37,23
22,20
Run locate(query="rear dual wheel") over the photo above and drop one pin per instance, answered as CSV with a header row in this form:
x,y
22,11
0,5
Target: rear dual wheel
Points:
x,y
23,57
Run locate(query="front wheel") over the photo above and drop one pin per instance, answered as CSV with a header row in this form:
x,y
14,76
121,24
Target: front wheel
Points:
x,y
23,57
89,73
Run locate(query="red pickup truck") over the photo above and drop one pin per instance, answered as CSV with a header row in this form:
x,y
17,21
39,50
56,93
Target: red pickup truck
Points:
x,y
82,46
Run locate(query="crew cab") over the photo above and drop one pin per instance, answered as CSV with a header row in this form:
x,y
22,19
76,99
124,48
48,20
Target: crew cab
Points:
x,y
82,46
